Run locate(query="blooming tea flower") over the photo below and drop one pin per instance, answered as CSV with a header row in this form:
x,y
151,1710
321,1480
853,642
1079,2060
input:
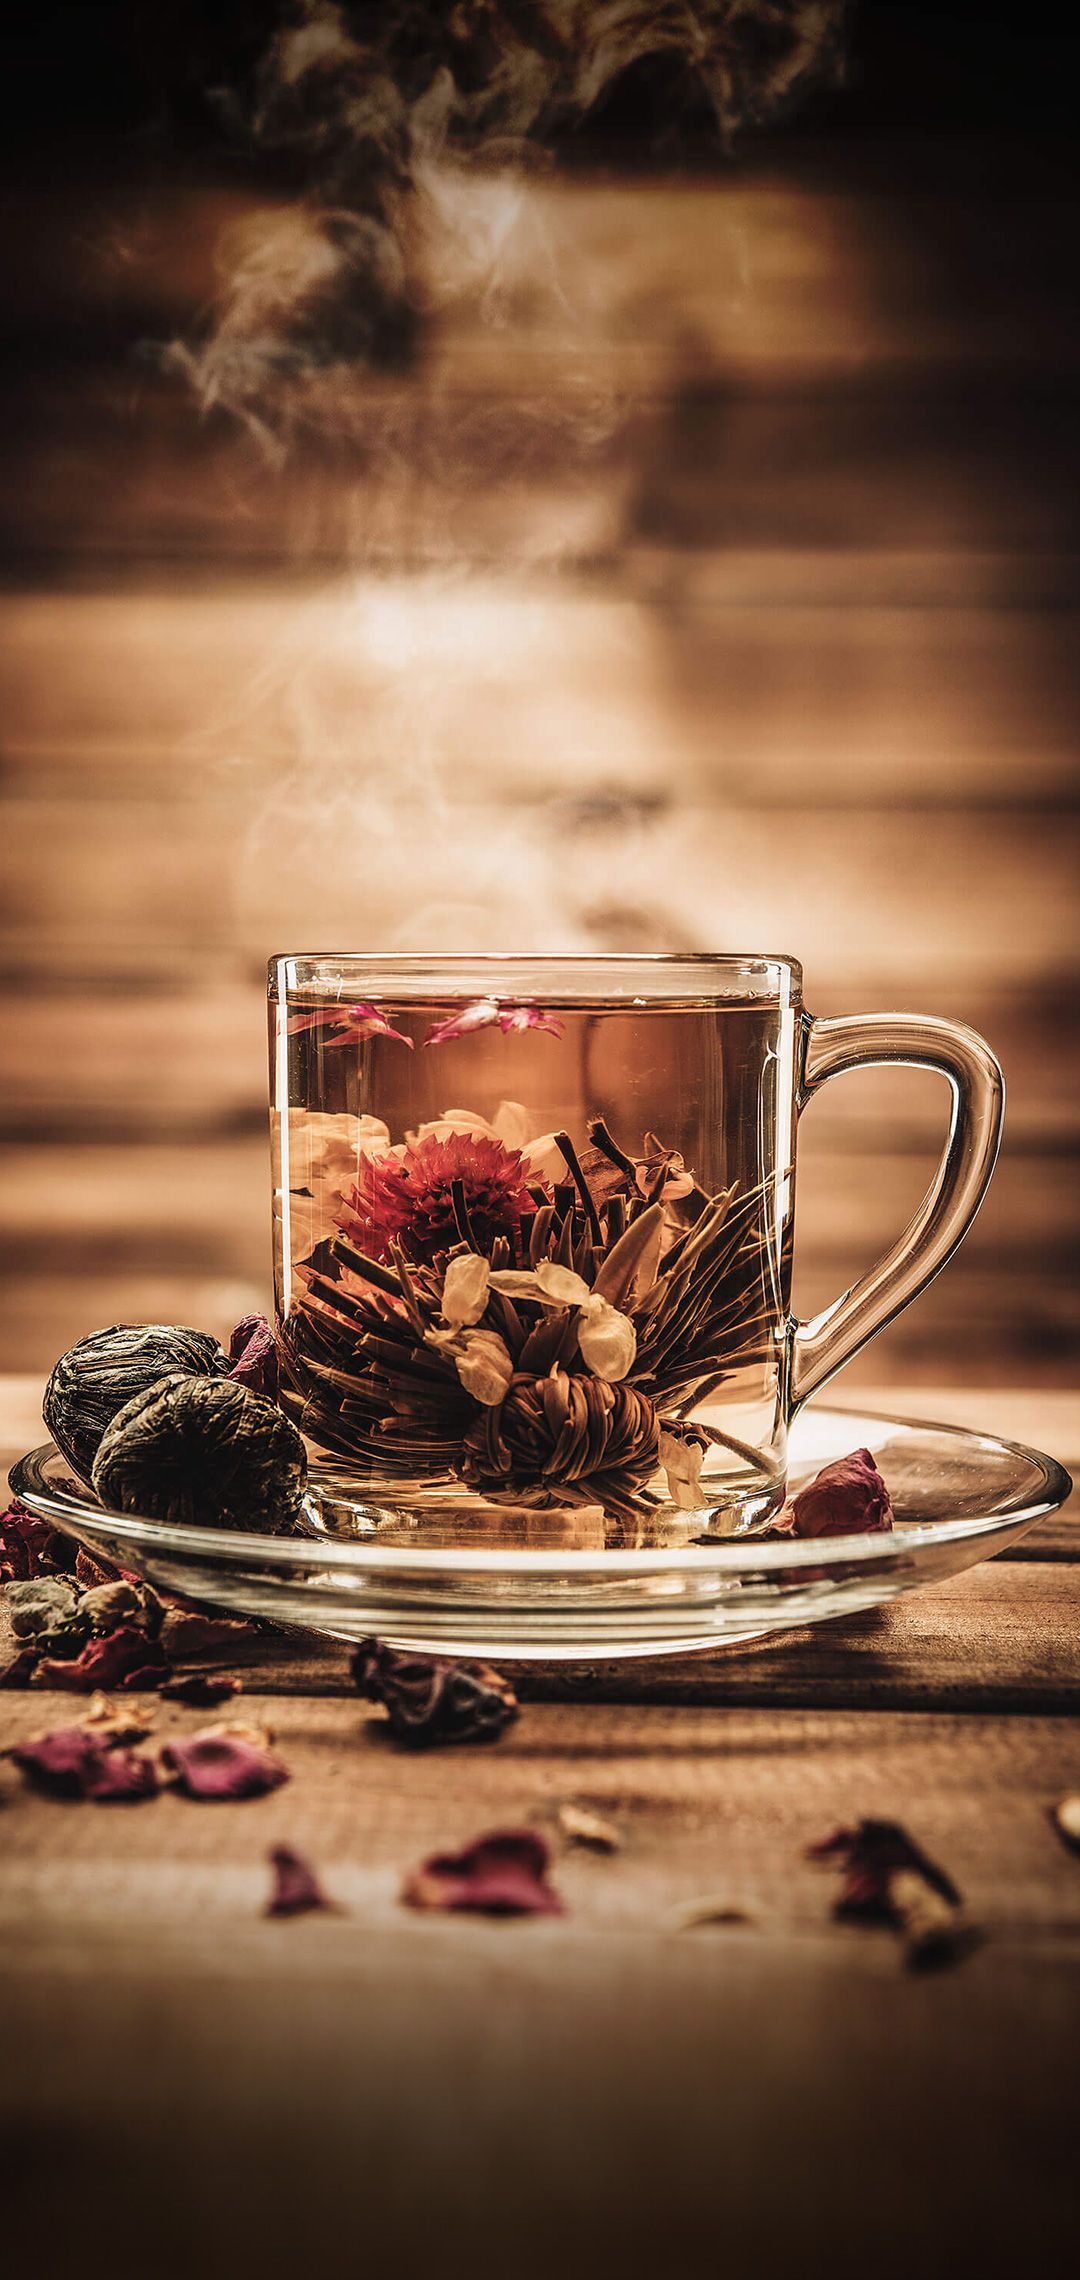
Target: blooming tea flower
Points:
x,y
421,1197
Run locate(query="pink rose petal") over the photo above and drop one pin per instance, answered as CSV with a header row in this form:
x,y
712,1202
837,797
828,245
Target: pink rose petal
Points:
x,y
488,1013
254,1356
350,1026
501,1874
296,1887
848,1498
70,1762
124,1657
217,1765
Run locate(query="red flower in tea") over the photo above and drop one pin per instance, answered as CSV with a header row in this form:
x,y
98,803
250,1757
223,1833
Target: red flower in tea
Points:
x,y
351,1026
436,1193
491,1013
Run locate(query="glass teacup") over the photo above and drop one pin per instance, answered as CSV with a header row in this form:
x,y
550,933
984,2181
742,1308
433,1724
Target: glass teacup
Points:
x,y
533,1234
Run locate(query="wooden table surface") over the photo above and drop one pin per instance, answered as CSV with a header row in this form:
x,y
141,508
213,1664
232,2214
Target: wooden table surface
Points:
x,y
191,2086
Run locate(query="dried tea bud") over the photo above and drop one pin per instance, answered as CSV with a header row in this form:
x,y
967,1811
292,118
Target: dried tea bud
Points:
x,y
105,1371
106,1605
203,1452
45,1604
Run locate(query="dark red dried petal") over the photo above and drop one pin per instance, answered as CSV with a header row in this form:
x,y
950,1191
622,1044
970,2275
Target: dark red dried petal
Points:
x,y
501,1874
186,1632
90,1572
29,1546
217,1765
120,1777
870,1855
296,1886
200,1690
124,1657
848,1498
254,1356
432,1701
70,1762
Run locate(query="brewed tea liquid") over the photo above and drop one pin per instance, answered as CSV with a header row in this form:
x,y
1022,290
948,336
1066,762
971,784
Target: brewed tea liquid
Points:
x,y
713,1086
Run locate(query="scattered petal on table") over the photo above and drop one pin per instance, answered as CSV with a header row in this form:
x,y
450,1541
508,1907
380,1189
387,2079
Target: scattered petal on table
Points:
x,y
501,1874
201,1690
581,1827
73,1762
221,1763
693,1913
432,1701
296,1887
1066,1819
124,1657
887,1878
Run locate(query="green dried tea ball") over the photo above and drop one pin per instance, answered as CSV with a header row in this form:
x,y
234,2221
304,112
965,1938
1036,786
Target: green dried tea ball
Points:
x,y
203,1452
92,1382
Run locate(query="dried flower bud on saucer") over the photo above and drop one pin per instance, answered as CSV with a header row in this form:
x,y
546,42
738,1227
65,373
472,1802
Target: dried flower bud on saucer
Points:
x,y
203,1452
103,1372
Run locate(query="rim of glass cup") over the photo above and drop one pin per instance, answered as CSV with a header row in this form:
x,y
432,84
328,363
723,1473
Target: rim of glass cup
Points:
x,y
606,977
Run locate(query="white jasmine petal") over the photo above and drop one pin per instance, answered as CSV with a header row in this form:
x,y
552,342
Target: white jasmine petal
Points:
x,y
465,1289
484,1366
682,1461
562,1284
607,1340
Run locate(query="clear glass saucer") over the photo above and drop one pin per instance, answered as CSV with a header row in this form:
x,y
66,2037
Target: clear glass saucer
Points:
x,y
958,1498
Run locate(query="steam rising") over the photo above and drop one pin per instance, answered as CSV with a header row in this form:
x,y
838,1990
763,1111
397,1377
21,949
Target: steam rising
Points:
x,y
390,112
473,755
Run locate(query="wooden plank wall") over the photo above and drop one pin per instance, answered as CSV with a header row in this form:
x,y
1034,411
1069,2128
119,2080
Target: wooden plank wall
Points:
x,y
721,595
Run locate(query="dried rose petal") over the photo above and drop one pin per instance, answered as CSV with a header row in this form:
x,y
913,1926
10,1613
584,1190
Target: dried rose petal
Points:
x,y
296,1886
254,1356
186,1632
501,1874
90,1572
219,1764
887,1878
124,1657
70,1762
848,1498
488,1013
200,1690
432,1701
28,1546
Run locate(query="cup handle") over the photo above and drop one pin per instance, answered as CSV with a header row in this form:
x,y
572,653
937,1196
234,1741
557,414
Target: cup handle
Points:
x,y
864,1041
